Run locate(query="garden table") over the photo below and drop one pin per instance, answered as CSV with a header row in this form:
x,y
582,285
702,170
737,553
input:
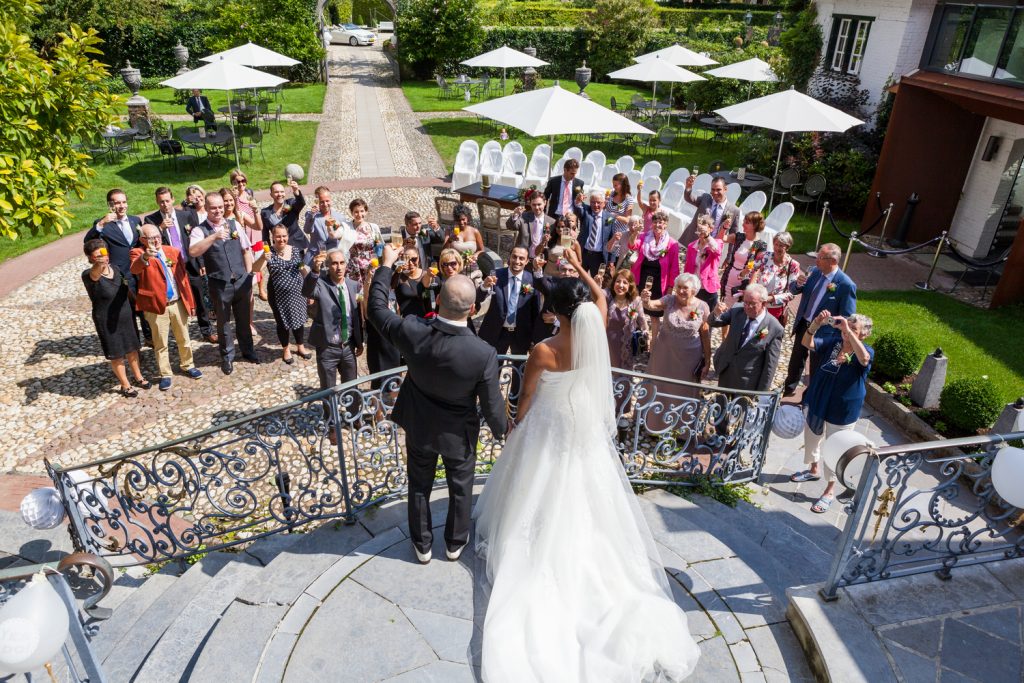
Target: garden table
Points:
x,y
506,196
115,139
750,182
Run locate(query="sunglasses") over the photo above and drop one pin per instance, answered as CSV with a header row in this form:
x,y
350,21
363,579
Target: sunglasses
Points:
x,y
450,264
241,180
415,259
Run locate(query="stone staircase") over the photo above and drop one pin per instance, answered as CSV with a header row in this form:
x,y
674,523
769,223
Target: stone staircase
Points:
x,y
349,603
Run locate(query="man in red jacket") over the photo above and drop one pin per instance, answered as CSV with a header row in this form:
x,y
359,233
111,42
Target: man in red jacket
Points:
x,y
165,298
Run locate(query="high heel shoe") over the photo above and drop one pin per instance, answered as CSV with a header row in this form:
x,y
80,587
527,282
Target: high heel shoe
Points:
x,y
288,361
304,356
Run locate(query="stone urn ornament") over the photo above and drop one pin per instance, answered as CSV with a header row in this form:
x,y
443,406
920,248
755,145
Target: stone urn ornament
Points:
x,y
583,75
529,73
132,78
181,55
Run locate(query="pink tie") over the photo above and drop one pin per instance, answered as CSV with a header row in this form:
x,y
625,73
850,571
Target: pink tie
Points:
x,y
566,205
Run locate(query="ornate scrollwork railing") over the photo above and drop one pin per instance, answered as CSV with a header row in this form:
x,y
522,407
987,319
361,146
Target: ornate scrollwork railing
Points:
x,y
334,453
923,507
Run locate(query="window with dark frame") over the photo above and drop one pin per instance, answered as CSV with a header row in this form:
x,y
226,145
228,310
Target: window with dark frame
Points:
x,y
847,43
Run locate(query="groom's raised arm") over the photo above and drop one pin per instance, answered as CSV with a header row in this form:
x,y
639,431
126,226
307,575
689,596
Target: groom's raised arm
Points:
x,y
488,391
377,311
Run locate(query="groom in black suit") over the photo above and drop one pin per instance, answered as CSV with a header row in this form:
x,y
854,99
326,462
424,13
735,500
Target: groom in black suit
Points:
x,y
514,307
450,369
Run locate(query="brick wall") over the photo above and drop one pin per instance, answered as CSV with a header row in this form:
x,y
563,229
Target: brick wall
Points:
x,y
986,189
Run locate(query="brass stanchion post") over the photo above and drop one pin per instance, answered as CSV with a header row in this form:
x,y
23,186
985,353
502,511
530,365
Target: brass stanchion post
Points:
x,y
927,284
821,224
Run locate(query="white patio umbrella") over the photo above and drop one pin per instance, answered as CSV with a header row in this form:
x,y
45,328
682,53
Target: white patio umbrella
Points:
x,y
504,58
555,111
753,70
678,55
252,54
224,75
788,111
657,70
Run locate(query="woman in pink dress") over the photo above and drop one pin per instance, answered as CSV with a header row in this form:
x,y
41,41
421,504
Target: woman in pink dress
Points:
x,y
703,256
657,262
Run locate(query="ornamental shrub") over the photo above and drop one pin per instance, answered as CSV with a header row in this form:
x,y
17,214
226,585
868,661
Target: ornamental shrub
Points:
x,y
897,354
433,36
970,403
619,30
802,43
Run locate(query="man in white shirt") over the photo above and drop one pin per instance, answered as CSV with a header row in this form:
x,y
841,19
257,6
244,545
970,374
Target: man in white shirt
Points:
x,y
560,192
326,227
716,205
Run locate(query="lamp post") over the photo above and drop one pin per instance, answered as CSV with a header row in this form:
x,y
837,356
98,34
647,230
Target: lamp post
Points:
x,y
776,30
748,19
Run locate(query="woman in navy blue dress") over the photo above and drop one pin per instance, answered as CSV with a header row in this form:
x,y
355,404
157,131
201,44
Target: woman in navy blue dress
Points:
x,y
836,393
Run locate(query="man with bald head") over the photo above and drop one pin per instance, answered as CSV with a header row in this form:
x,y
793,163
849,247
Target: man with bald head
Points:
x,y
450,370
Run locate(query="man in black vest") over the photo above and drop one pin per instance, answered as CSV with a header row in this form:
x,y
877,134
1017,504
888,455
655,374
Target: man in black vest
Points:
x,y
176,227
227,256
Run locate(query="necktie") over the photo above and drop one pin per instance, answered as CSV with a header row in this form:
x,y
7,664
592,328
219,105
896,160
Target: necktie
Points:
x,y
746,331
126,229
566,199
199,101
812,303
167,277
513,300
173,233
715,212
344,312
595,237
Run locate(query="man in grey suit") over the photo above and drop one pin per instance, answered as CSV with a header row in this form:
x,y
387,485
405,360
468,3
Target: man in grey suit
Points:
x,y
749,355
337,330
724,214
531,226
450,369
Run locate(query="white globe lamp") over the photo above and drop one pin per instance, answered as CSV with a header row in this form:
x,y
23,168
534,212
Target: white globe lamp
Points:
x,y
294,171
839,443
33,627
42,509
1008,475
788,422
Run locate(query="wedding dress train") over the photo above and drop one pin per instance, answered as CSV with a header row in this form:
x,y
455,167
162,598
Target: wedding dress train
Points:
x,y
578,592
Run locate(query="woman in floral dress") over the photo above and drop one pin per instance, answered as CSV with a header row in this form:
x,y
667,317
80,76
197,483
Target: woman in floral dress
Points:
x,y
775,271
368,244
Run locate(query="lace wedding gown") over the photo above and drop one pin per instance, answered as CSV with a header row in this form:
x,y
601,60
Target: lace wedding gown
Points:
x,y
578,592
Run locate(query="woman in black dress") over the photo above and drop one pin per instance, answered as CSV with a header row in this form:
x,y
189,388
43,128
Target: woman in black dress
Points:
x,y
112,315
412,297
380,353
284,262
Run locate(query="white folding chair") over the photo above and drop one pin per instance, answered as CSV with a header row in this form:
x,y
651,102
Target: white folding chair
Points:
x,y
470,144
574,152
733,192
702,184
537,171
512,146
604,182
672,197
651,183
596,157
543,148
489,145
491,162
465,172
678,176
779,218
634,179
650,168
625,164
558,167
754,201
586,174
513,170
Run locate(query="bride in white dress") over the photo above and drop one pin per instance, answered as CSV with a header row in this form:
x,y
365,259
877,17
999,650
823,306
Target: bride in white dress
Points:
x,y
578,592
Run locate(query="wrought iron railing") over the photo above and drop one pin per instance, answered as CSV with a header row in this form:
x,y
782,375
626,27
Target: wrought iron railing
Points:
x,y
923,507
334,453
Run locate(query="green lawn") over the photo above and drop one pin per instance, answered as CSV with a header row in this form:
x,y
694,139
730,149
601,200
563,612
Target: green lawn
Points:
x,y
978,342
296,98
139,178
423,95
448,134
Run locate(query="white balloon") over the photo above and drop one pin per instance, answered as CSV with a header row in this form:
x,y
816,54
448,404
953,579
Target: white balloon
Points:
x,y
1008,475
839,443
294,171
33,627
788,422
42,509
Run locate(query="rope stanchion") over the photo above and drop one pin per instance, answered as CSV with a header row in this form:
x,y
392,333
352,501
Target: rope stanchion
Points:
x,y
927,284
821,224
877,253
849,248
895,252
974,263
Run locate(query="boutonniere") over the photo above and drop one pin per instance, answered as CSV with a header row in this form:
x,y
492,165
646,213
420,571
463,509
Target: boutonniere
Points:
x,y
831,287
663,253
526,289
762,333
234,234
694,315
170,263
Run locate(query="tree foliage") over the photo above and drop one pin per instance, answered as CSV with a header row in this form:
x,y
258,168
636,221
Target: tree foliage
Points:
x,y
801,43
46,104
619,30
435,35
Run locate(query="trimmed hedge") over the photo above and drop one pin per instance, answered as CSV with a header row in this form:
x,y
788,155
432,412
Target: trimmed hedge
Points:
x,y
556,14
970,404
897,354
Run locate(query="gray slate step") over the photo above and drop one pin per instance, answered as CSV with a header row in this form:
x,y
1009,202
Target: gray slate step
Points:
x,y
810,525
234,647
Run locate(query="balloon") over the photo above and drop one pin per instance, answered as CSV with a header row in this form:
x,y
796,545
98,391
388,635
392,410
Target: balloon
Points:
x,y
294,171
788,422
839,443
1008,475
42,509
33,627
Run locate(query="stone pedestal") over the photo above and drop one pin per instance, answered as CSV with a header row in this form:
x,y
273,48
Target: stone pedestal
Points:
x,y
138,108
928,384
1011,419
529,73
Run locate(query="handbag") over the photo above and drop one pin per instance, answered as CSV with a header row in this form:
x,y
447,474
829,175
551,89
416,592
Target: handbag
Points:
x,y
640,343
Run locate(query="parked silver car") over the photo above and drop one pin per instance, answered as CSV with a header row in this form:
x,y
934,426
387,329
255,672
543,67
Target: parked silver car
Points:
x,y
352,34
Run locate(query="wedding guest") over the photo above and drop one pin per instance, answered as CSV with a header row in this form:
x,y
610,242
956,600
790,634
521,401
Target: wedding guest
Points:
x,y
199,106
410,293
285,213
195,199
554,260
255,237
824,287
368,240
423,239
651,207
514,305
835,396
683,348
619,243
533,226
337,330
284,263
749,354
166,299
246,203
227,256
176,227
597,225
107,288
776,274
746,248
547,326
561,191
702,258
120,232
620,202
625,319
381,354
657,263
464,238
325,227
449,262
716,204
